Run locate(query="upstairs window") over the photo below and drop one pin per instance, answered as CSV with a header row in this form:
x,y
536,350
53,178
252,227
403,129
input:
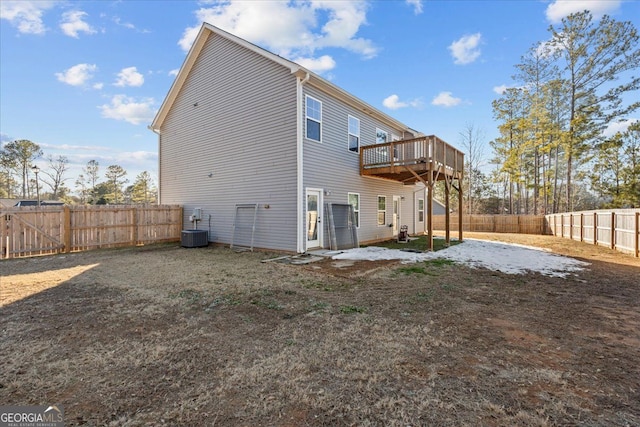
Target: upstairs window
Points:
x,y
381,136
314,119
354,134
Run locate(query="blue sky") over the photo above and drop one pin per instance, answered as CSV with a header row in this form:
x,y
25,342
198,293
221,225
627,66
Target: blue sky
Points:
x,y
84,78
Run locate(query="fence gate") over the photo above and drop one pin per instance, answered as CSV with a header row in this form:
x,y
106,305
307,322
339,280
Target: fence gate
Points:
x,y
31,231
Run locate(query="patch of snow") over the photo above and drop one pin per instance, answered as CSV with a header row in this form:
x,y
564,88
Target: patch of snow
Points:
x,y
505,257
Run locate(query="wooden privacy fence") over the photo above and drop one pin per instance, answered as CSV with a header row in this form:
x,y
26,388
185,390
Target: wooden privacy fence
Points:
x,y
618,229
32,230
524,224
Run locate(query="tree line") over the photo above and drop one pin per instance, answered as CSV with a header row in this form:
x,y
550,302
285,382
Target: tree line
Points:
x,y
558,148
19,178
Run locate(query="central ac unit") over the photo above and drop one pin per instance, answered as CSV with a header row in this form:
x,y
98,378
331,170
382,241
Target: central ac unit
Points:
x,y
195,238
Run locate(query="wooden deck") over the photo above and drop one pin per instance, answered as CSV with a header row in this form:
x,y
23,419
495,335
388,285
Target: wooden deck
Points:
x,y
426,159
412,160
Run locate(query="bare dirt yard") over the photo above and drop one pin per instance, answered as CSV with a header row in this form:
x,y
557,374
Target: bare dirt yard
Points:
x,y
163,335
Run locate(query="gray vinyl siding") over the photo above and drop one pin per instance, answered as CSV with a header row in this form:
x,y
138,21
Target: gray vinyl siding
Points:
x,y
331,166
234,118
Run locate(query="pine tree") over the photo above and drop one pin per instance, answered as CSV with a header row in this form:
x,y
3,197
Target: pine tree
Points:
x,y
593,57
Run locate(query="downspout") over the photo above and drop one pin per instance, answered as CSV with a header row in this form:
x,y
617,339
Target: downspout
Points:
x,y
299,166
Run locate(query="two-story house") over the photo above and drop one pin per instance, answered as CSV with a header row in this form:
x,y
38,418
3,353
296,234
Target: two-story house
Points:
x,y
243,126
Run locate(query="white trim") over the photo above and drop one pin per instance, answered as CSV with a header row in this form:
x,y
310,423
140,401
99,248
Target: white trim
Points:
x,y
307,117
349,134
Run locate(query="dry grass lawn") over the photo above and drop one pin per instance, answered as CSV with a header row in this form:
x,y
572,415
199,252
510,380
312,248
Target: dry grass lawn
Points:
x,y
163,335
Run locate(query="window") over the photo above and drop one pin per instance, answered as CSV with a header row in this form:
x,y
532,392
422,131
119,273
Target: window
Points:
x,y
354,200
381,136
382,210
354,134
314,118
420,210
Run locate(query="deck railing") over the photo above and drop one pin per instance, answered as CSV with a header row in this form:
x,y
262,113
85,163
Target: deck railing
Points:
x,y
428,150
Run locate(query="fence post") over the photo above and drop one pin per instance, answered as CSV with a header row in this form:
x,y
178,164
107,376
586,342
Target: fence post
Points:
x,y
637,239
67,229
595,228
571,226
134,235
561,225
613,230
581,227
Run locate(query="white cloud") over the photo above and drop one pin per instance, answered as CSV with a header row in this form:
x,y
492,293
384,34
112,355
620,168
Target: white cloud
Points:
x,y
562,8
129,77
616,127
318,65
72,23
125,108
500,89
78,75
465,50
121,23
67,147
118,21
26,15
98,86
137,156
393,102
446,99
548,48
295,29
417,6
174,72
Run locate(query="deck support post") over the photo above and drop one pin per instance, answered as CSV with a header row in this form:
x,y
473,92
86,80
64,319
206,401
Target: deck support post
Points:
x,y
447,215
430,216
460,207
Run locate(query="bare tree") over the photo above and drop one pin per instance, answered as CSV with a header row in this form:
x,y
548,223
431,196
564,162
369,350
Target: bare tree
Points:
x,y
57,169
83,191
472,139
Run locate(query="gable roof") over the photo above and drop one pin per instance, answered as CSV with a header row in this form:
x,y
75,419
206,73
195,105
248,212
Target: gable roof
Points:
x,y
299,71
